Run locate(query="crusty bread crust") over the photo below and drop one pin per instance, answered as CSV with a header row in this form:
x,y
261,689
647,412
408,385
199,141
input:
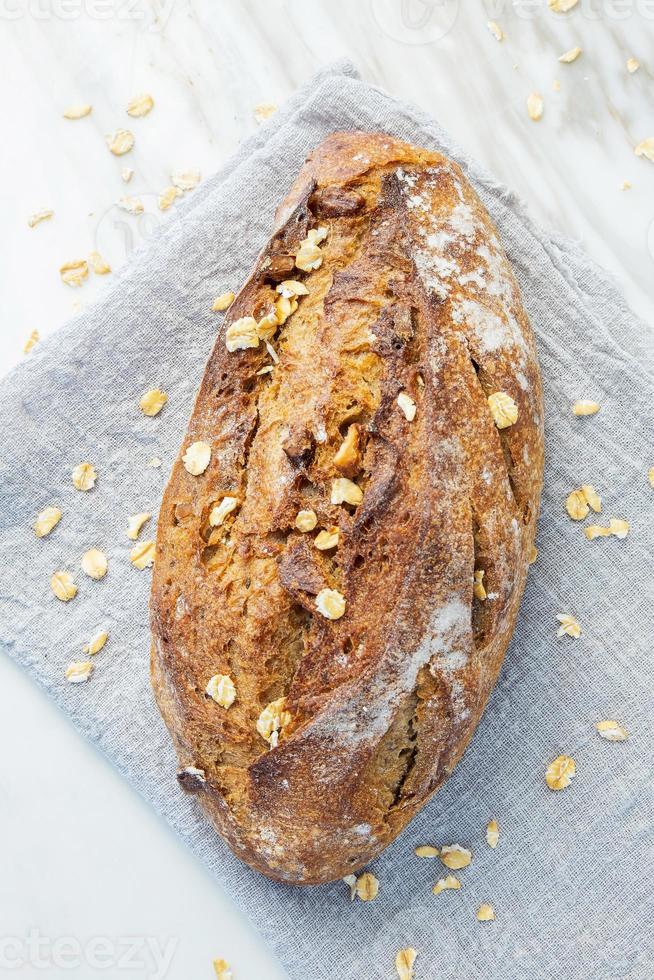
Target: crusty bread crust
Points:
x,y
415,295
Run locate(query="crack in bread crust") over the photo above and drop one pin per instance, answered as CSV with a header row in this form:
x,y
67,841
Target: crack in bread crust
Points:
x,y
414,297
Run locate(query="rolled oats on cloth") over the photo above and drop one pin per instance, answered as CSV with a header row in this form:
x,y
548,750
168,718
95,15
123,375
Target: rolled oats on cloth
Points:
x,y
570,879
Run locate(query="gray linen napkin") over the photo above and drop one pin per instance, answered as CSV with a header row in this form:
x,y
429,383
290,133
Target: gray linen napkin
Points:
x,y
571,877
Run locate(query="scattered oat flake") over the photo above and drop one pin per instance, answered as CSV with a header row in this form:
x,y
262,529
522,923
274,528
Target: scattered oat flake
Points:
x,y
535,106
569,56
503,409
221,689
562,6
99,265
196,458
559,772
222,970
569,626
309,255
272,352
492,833
79,672
96,643
186,180
404,963
292,287
646,148
74,273
579,501
345,491
126,174
94,563
611,730
478,588
272,720
626,185
576,505
449,883
269,347
592,498
268,324
455,857
327,539
495,30
351,882
650,476
153,401
46,521
306,520
427,851
330,604
617,527
135,523
533,554
222,302
154,463
633,64
140,105
264,111
367,887
133,205
583,407
39,216
120,142
284,307
168,197
242,334
84,476
407,406
218,513
596,531
142,555
63,586
486,913
77,111
31,341
317,235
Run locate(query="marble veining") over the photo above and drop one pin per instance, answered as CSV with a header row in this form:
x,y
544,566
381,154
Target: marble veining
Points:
x,y
208,63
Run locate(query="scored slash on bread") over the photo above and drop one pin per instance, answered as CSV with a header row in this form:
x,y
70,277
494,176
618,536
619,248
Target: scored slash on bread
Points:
x,y
360,670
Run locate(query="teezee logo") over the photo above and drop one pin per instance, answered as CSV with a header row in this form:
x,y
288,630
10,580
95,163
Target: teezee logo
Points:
x,y
126,225
415,21
148,955
151,14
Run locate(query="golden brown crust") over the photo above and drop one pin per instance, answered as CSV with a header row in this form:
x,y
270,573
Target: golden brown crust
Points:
x,y
415,296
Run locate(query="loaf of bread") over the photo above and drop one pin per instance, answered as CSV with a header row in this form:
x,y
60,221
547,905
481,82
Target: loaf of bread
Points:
x,y
345,537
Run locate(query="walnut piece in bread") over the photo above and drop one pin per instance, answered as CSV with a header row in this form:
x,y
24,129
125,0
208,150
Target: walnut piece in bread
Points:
x,y
407,292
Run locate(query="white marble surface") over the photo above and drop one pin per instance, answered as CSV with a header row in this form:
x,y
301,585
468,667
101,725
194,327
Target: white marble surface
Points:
x,y
87,857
